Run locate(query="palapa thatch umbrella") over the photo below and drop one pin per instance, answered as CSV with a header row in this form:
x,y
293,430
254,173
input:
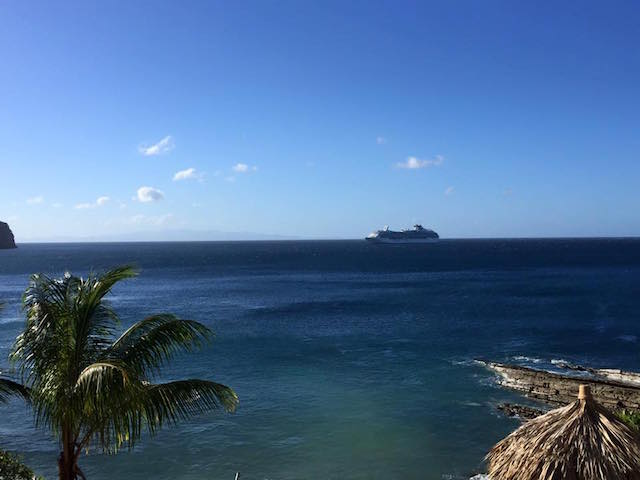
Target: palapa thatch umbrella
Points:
x,y
582,441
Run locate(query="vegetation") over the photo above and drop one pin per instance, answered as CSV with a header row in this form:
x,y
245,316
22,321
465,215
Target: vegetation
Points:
x,y
630,418
93,389
11,468
9,388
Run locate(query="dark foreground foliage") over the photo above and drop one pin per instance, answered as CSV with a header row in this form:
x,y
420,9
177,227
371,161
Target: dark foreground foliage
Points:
x,y
12,468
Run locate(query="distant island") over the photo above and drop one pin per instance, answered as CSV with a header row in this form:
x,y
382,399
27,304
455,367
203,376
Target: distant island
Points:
x,y
6,236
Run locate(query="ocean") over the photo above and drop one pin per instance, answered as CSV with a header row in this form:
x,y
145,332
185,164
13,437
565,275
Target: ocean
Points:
x,y
351,360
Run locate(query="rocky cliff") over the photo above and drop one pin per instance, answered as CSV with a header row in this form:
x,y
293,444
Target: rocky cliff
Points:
x,y
6,236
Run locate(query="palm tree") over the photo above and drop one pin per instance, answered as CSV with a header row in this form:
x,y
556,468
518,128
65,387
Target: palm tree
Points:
x,y
93,389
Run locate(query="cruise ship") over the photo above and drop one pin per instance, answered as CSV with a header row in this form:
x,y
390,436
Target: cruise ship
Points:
x,y
418,234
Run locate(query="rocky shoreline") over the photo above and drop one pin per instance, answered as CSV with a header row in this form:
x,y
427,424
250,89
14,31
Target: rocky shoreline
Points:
x,y
555,389
523,412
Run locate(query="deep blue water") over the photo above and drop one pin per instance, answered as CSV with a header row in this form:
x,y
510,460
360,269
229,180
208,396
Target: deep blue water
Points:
x,y
352,361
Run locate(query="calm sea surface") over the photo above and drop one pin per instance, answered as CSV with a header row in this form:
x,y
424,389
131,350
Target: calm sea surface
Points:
x,y
352,361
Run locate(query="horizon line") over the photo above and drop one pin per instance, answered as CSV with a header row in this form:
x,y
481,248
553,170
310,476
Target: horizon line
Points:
x,y
329,239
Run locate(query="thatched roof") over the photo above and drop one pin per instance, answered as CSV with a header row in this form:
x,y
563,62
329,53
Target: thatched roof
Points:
x,y
582,441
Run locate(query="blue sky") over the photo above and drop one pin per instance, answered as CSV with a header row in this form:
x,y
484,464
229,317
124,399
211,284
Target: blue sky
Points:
x,y
302,118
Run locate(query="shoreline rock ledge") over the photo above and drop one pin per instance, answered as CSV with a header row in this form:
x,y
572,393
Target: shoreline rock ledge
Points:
x,y
6,236
556,389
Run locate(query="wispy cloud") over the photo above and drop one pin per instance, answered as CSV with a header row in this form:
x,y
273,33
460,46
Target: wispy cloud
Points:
x,y
449,191
100,201
188,174
156,221
243,168
163,146
149,194
35,200
57,205
414,163
381,140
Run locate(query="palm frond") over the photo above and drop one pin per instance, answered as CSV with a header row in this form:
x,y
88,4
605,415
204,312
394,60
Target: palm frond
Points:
x,y
112,400
102,284
98,286
10,388
118,406
39,347
183,399
147,345
95,320
99,377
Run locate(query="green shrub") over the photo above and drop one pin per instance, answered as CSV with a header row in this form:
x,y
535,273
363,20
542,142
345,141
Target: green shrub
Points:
x,y
11,468
632,419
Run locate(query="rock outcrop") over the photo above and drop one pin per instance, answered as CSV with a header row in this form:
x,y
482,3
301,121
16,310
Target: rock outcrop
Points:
x,y
523,412
614,374
558,389
6,236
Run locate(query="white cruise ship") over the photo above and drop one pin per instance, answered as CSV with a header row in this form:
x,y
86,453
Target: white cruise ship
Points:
x,y
418,234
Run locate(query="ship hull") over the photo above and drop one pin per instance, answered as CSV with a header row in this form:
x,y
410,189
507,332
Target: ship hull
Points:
x,y
401,240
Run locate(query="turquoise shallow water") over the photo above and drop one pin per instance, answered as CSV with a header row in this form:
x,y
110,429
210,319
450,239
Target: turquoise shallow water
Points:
x,y
351,360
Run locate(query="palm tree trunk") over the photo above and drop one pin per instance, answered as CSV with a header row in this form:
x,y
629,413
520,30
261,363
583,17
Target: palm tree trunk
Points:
x,y
66,462
66,469
61,467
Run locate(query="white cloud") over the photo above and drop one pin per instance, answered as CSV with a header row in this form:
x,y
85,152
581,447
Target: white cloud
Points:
x,y
149,194
100,201
413,163
449,191
163,146
57,205
188,174
243,168
35,200
230,178
381,140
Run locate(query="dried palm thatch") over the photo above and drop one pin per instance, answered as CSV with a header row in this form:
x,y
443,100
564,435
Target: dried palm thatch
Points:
x,y
582,441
